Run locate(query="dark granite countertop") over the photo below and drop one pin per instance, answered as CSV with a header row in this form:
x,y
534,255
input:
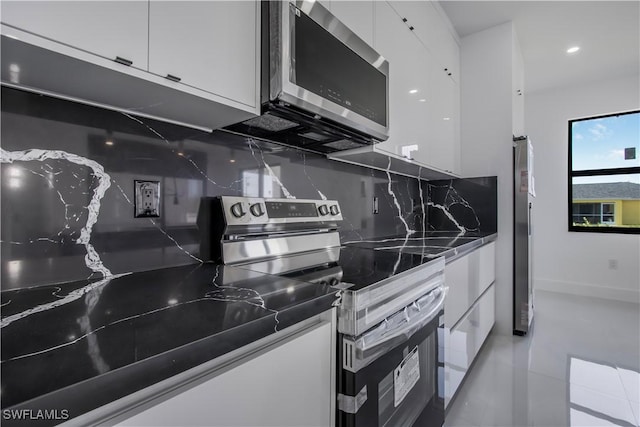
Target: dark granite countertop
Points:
x,y
425,246
81,345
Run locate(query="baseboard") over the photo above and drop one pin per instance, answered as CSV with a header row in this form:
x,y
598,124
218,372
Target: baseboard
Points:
x,y
573,288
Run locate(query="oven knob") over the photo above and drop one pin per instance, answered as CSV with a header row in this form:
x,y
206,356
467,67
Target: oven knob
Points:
x,y
324,210
237,211
334,282
334,210
256,209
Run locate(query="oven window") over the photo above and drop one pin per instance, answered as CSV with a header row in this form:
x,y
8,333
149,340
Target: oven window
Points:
x,y
392,412
322,64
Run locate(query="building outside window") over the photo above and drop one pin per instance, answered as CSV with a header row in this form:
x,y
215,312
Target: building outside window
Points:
x,y
604,173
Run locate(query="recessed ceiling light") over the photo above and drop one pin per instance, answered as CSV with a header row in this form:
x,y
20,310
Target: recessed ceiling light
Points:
x,y
422,100
413,91
108,142
573,49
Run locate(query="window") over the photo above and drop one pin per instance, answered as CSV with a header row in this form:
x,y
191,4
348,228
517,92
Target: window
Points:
x,y
604,173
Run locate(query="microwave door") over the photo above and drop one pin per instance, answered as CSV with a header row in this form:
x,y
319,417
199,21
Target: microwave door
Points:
x,y
330,73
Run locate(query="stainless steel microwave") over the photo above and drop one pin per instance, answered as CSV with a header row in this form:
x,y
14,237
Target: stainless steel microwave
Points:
x,y
323,87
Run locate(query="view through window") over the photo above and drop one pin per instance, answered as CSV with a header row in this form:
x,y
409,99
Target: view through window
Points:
x,y
604,173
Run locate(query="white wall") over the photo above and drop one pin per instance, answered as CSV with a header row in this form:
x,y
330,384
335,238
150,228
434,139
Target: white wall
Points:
x,y
486,141
574,262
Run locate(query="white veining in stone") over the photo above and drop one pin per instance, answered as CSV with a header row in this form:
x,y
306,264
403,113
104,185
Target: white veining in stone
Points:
x,y
186,158
395,200
273,176
453,198
391,239
91,300
397,264
422,203
156,225
236,294
222,294
353,229
448,215
304,169
92,259
72,296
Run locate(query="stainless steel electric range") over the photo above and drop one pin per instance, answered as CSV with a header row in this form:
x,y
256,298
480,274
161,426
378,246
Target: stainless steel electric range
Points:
x,y
390,307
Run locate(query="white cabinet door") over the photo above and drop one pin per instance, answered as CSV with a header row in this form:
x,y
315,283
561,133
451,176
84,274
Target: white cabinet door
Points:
x,y
107,28
443,139
409,92
467,278
440,146
463,342
430,26
287,386
357,15
209,45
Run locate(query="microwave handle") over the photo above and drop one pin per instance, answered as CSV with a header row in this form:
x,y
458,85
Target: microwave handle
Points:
x,y
383,338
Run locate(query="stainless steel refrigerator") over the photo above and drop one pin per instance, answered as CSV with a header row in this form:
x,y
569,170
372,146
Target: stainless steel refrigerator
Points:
x,y
523,196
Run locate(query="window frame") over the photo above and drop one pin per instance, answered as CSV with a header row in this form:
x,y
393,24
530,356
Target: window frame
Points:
x,y
631,170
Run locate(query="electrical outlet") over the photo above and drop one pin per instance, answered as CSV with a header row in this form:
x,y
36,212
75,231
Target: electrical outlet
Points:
x,y
613,264
147,199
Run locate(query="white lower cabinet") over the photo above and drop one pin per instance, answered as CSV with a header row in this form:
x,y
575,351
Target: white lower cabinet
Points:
x,y
469,313
467,278
462,342
289,385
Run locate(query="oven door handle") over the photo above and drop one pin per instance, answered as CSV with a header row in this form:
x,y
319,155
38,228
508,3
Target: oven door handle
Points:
x,y
399,327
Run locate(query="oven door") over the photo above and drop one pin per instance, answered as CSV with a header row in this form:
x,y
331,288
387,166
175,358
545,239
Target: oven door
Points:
x,y
390,375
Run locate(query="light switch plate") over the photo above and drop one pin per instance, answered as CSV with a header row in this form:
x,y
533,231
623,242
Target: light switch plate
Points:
x,y
147,199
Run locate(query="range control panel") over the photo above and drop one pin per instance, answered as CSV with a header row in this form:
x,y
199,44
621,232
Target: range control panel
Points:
x,y
255,210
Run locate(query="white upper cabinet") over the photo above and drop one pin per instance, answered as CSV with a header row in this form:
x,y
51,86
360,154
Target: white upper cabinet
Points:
x,y
194,63
430,26
444,122
357,15
408,83
209,45
112,29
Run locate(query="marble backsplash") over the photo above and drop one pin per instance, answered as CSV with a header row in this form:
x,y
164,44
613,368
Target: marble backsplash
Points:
x,y
68,174
67,189
469,204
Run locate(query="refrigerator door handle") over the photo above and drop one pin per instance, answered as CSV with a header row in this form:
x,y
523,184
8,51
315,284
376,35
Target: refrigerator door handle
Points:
x,y
529,221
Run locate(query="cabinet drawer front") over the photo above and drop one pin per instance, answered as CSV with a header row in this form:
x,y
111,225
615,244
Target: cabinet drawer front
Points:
x,y
463,342
467,278
106,28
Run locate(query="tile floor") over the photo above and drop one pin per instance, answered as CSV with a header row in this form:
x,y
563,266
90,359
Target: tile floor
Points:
x,y
578,367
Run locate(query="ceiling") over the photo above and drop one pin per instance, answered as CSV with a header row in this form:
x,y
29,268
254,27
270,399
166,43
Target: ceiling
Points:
x,y
608,33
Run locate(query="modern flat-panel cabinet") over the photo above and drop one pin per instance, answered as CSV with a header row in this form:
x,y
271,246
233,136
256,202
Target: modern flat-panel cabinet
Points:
x,y
409,90
357,15
289,385
209,45
469,312
443,141
440,146
110,29
195,63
